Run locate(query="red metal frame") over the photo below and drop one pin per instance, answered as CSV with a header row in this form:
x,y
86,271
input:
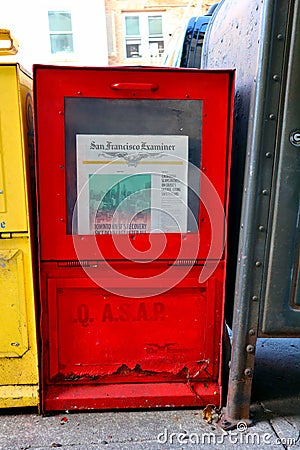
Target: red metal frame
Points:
x,y
178,350
52,85
101,350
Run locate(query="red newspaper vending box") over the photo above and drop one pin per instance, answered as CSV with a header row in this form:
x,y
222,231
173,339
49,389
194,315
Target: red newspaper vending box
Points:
x,y
133,167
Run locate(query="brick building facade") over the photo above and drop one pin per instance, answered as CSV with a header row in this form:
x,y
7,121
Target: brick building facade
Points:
x,y
140,30
206,4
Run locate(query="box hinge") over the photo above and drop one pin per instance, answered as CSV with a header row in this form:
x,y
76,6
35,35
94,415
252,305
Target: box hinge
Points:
x,y
77,263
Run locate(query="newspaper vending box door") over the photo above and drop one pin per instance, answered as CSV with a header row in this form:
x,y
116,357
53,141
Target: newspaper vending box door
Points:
x,y
133,181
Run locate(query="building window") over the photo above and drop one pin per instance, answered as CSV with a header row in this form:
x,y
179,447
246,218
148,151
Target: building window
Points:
x,y
143,35
61,36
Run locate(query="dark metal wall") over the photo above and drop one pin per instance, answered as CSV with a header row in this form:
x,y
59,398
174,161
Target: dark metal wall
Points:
x,y
234,27
260,39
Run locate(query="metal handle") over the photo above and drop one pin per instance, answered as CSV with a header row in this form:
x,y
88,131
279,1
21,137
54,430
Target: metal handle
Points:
x,y
135,86
8,44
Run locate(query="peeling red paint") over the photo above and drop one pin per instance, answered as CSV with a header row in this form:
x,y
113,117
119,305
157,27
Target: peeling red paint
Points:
x,y
193,370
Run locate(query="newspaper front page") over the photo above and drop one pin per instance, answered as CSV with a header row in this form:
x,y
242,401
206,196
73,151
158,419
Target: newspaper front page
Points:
x,y
131,183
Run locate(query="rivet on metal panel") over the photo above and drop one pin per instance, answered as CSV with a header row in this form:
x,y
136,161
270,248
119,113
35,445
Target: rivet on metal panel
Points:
x,y
276,77
60,113
1,191
61,167
272,116
261,228
268,155
62,219
79,93
264,192
15,344
255,298
250,348
187,96
252,332
248,372
258,263
295,138
280,36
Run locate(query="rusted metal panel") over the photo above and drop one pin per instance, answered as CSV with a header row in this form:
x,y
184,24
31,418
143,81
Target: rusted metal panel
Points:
x,y
166,329
99,341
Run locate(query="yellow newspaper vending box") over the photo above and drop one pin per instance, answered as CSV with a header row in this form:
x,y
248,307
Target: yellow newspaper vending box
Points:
x,y
18,347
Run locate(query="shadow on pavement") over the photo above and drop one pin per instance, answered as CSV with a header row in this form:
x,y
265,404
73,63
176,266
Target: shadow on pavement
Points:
x,y
276,382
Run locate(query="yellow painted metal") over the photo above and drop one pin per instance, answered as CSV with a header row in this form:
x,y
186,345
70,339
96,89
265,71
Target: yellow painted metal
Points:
x,y
18,348
13,330
18,345
13,138
17,396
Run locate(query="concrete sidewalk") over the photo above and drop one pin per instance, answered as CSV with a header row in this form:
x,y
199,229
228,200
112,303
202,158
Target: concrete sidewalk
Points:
x,y
275,412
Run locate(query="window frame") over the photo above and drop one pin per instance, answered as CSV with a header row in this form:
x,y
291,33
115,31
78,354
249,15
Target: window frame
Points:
x,y
144,39
61,32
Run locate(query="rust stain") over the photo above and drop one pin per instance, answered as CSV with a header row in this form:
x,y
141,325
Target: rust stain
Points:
x,y
188,372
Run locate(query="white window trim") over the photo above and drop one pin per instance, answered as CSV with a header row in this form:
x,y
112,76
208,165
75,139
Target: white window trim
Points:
x,y
64,56
144,33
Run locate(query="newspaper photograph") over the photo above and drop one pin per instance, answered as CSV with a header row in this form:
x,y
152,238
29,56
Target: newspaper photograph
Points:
x,y
131,184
